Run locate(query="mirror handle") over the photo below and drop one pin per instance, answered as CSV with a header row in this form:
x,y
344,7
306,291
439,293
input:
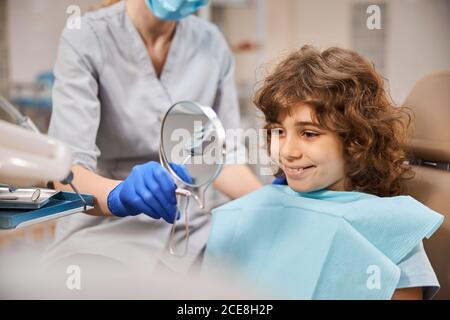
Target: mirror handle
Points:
x,y
181,193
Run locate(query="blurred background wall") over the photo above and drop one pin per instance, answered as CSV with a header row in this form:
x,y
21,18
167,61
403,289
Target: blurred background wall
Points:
x,y
417,39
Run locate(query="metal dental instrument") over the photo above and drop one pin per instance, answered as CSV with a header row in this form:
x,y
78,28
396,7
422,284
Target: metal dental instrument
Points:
x,y
200,142
69,181
11,188
36,194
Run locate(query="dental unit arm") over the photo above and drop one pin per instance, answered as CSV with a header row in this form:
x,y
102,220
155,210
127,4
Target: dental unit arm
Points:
x,y
28,157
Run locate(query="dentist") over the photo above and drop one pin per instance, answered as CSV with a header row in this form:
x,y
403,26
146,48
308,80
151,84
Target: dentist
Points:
x,y
115,77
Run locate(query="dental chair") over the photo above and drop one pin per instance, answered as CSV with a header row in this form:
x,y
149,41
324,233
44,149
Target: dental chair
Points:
x,y
430,157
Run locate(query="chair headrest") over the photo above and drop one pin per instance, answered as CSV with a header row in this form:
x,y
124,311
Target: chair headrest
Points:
x,y
430,102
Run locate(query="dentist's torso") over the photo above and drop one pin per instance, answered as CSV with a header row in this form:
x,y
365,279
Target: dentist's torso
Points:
x,y
108,107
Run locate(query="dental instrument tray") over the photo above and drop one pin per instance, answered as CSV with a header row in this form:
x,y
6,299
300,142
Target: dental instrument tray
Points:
x,y
25,198
59,205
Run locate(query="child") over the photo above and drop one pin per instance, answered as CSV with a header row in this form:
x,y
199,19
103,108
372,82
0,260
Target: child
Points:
x,y
340,148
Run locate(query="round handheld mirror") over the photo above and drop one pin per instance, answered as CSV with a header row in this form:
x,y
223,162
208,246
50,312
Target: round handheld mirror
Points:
x,y
192,149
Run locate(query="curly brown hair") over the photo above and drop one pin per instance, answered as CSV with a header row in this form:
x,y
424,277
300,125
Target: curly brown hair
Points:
x,y
348,97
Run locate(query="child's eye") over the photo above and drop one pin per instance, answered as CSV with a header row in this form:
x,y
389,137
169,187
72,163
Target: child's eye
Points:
x,y
309,134
279,131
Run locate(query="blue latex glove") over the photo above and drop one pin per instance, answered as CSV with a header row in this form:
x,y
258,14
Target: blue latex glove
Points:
x,y
149,189
280,181
181,172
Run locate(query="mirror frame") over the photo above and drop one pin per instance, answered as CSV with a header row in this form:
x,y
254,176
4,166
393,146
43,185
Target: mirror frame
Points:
x,y
212,116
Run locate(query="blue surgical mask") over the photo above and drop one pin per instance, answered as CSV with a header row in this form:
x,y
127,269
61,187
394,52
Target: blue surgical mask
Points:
x,y
174,9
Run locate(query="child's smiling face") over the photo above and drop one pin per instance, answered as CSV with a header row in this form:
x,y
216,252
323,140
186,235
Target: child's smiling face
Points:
x,y
310,156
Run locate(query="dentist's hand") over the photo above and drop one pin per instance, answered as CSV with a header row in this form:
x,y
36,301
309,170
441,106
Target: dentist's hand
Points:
x,y
181,172
149,189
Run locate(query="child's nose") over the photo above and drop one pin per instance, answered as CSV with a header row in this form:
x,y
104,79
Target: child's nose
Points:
x,y
290,149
